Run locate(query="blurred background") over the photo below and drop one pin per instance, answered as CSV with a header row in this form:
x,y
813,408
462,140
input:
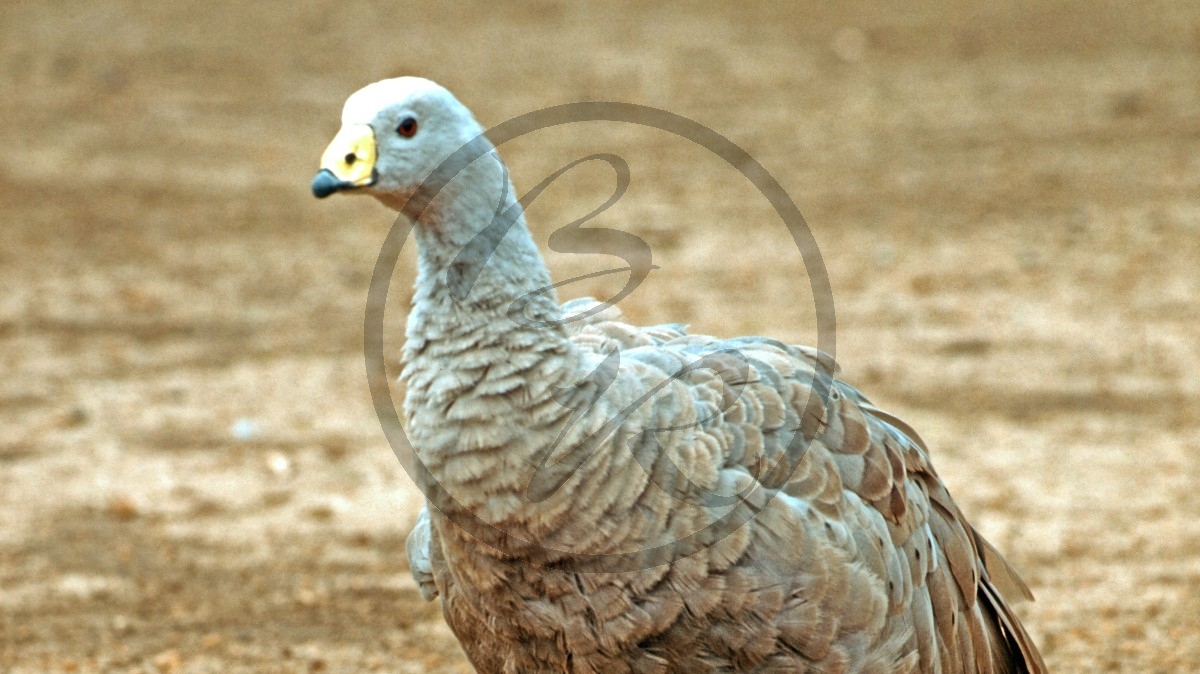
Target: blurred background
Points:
x,y
1006,196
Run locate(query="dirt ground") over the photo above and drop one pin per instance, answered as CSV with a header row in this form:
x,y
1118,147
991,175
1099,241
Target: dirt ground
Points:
x,y
192,478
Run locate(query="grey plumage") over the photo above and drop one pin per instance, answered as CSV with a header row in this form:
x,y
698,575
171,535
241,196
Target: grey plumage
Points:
x,y
854,557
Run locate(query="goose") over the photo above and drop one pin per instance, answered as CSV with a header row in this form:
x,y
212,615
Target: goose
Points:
x,y
617,499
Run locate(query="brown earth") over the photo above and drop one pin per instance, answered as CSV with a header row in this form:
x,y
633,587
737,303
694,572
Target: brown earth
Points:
x,y
192,477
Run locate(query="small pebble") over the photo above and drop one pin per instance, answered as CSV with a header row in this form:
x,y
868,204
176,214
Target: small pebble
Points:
x,y
168,661
121,624
320,511
885,256
335,448
328,509
73,417
211,640
278,464
122,508
244,429
306,597
276,497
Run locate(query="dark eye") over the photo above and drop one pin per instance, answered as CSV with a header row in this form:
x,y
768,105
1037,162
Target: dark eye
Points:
x,y
407,128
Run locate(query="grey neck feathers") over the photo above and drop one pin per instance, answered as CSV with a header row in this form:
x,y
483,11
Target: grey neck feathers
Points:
x,y
484,351
475,249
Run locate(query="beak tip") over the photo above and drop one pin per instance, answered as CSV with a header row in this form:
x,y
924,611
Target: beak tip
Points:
x,y
325,184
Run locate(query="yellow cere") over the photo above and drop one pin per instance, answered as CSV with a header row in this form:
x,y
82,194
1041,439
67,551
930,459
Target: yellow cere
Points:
x,y
351,155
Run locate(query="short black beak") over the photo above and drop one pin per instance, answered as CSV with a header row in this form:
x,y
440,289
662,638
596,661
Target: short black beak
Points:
x,y
325,184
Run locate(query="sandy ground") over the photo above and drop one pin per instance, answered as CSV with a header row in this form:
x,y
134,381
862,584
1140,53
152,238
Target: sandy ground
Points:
x,y
192,477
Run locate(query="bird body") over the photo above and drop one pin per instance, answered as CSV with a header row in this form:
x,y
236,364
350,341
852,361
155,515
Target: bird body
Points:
x,y
648,500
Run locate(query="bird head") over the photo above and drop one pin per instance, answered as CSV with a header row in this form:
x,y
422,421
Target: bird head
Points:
x,y
394,134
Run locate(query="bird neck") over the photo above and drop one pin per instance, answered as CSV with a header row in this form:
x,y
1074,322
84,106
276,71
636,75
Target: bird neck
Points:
x,y
485,348
477,262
